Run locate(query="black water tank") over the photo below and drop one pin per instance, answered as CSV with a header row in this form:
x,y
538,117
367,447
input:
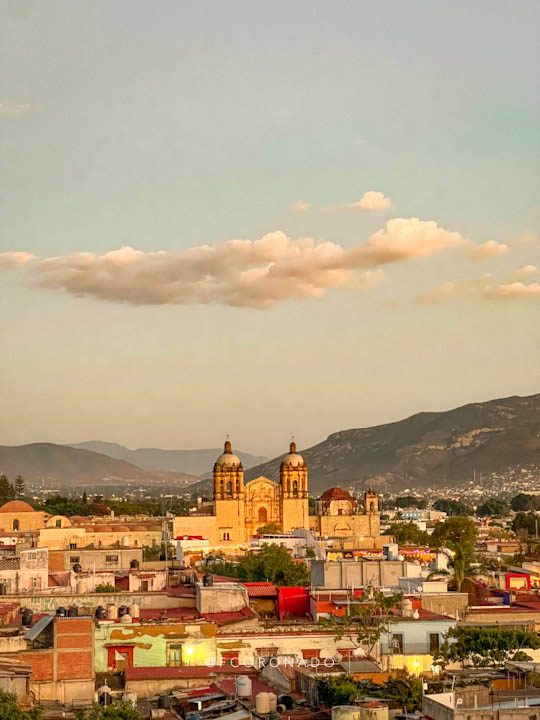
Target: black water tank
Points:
x,y
73,611
100,612
162,556
3,589
134,564
61,612
123,610
77,567
164,701
286,700
105,698
208,580
26,618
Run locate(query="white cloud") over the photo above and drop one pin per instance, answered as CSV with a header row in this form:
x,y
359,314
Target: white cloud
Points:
x,y
526,270
491,248
528,238
454,290
370,200
11,260
514,291
301,207
13,109
244,273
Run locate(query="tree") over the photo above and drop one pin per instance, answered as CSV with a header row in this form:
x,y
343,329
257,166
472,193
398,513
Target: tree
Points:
x,y
105,588
370,618
522,502
401,691
7,491
527,523
9,709
493,507
270,529
272,563
456,530
410,501
452,507
461,566
408,534
84,497
19,486
117,711
486,647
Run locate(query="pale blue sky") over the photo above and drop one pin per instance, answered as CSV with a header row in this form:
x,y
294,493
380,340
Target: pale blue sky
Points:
x,y
169,125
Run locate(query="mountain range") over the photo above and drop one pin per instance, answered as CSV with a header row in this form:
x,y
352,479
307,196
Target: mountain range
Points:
x,y
426,449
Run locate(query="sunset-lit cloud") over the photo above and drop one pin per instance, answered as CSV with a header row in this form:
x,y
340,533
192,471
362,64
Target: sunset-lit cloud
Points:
x,y
301,206
486,250
514,291
526,270
11,260
370,200
243,273
454,290
8,108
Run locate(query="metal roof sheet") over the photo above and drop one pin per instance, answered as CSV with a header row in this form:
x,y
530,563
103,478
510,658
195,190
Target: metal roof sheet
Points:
x,y
38,628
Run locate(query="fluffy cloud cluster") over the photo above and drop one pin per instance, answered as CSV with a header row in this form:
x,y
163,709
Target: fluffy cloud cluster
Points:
x,y
526,270
370,200
10,260
483,287
301,206
13,109
487,250
244,273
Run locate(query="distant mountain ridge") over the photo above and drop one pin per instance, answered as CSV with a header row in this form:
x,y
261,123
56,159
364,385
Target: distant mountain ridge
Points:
x,y
426,449
193,462
67,466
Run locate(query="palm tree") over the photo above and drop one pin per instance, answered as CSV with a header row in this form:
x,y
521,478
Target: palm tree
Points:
x,y
461,566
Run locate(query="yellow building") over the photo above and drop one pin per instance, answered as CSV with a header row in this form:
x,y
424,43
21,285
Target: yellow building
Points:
x,y
238,510
19,516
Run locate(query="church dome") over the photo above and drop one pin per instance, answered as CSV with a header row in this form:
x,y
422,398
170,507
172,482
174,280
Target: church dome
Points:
x,y
227,457
293,459
336,493
16,506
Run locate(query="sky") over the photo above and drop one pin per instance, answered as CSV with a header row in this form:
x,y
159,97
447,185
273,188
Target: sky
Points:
x,y
264,219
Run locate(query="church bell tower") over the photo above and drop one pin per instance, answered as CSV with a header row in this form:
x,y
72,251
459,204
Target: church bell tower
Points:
x,y
294,491
229,506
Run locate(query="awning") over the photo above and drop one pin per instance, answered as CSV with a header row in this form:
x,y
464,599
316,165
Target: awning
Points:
x,y
38,628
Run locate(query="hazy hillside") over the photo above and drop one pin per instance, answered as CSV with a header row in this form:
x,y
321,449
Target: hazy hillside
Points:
x,y
427,448
194,462
70,466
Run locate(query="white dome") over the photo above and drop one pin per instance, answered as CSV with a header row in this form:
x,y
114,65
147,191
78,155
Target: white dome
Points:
x,y
228,457
293,458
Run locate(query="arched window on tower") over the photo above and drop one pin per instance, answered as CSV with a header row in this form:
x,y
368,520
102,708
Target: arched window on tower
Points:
x,y
263,515
295,487
372,507
15,525
229,488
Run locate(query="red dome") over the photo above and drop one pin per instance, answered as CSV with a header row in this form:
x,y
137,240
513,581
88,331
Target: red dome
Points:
x,y
337,494
16,506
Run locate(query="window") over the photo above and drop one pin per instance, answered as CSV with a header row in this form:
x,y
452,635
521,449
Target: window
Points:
x,y
174,654
59,523
433,642
15,525
229,488
225,536
74,559
73,545
397,643
295,487
119,657
310,654
263,516
111,559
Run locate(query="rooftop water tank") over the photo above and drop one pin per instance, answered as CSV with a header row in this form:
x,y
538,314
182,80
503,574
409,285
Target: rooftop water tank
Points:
x,y
61,611
130,698
112,611
27,616
262,703
243,686
406,607
346,712
77,568
126,618
134,611
100,612
272,698
122,610
134,564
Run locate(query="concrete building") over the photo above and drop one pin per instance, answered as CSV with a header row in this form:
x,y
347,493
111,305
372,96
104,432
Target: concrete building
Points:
x,y
25,571
359,573
95,558
19,516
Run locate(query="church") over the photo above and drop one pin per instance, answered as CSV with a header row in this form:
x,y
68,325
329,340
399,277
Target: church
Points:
x,y
238,510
